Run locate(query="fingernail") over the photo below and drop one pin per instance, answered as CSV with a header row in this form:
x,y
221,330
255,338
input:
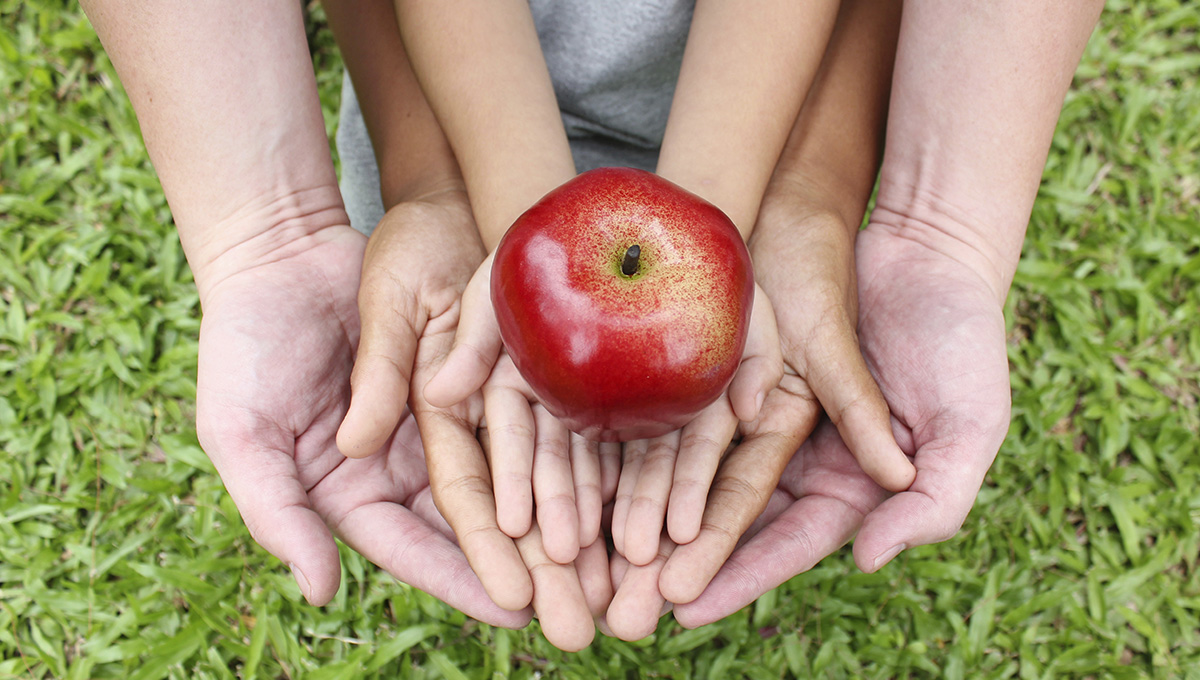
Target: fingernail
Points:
x,y
301,580
888,556
758,402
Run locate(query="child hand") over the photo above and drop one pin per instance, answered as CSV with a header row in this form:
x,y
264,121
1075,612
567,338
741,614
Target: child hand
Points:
x,y
669,477
532,456
417,262
805,256
416,265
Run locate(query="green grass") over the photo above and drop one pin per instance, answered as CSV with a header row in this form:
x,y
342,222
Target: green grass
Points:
x,y
122,557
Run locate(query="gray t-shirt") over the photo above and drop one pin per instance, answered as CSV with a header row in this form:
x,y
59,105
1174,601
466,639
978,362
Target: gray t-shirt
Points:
x,y
614,65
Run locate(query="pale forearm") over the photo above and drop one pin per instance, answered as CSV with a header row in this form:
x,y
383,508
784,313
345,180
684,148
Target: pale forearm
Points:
x,y
228,106
745,72
482,69
412,153
977,92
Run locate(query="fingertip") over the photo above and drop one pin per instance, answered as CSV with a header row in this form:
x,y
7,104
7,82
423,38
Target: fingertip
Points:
x,y
593,569
745,402
362,432
638,550
872,564
886,464
683,522
681,582
442,391
318,591
570,634
907,520
514,519
898,476
589,522
749,388
500,568
561,546
643,534
513,594
633,615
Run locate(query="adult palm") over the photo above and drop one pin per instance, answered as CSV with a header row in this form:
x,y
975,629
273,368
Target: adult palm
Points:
x,y
277,347
932,332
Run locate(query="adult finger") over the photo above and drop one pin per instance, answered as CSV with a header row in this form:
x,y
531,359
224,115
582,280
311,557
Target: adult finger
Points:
x,y
701,445
949,474
462,490
740,492
762,361
833,497
554,488
558,597
838,375
648,503
408,548
477,344
810,529
391,322
275,507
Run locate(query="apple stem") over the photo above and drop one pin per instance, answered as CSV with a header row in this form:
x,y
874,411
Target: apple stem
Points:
x,y
629,265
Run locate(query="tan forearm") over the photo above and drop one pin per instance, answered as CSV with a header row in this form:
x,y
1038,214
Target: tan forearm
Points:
x,y
482,69
832,155
745,72
413,154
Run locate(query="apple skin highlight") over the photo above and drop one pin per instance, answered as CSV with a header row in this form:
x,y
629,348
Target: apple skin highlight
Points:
x,y
619,357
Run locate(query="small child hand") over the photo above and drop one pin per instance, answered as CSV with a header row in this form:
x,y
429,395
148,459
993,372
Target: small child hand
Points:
x,y
532,456
669,477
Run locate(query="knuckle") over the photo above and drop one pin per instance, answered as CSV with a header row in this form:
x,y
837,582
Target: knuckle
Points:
x,y
726,535
467,485
732,491
510,431
659,455
700,442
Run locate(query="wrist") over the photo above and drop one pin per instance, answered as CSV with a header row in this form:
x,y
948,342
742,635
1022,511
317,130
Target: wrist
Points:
x,y
940,228
266,230
429,188
802,194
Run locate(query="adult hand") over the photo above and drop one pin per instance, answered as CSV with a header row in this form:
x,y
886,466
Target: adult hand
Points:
x,y
932,331
276,349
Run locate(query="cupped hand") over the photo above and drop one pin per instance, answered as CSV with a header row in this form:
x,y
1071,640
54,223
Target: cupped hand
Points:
x,y
530,464
933,334
669,477
532,455
416,265
803,254
276,349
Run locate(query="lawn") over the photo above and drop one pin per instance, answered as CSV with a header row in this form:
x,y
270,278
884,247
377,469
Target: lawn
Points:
x,y
121,556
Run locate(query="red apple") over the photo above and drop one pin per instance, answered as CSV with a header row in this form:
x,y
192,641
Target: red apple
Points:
x,y
624,301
